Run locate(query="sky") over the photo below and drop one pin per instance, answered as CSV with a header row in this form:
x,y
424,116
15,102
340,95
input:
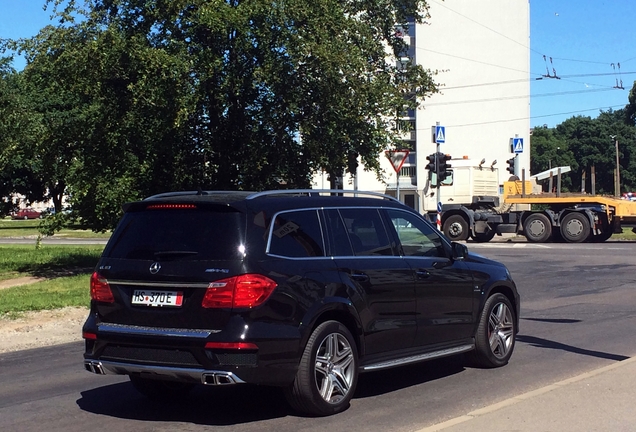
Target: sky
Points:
x,y
589,48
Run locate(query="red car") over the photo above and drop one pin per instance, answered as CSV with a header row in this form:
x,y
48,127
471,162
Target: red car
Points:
x,y
26,213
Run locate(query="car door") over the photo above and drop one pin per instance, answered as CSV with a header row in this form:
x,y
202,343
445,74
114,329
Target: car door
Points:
x,y
382,281
443,287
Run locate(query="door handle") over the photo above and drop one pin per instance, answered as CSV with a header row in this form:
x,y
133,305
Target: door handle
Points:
x,y
360,277
422,274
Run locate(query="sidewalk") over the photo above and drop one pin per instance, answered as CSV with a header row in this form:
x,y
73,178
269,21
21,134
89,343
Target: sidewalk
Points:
x,y
600,400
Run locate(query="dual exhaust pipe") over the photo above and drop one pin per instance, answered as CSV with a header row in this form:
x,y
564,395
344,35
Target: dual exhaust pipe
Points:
x,y
207,377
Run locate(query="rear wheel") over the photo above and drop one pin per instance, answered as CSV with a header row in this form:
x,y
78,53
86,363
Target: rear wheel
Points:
x,y
160,390
456,228
537,228
575,227
484,237
495,336
328,372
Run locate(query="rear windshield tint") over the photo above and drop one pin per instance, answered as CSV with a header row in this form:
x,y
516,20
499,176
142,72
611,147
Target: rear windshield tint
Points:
x,y
178,234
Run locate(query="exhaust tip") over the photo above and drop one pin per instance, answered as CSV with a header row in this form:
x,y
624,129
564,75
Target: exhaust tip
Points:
x,y
219,378
94,367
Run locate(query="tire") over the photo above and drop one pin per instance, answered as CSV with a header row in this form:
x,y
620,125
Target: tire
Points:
x,y
161,390
456,228
25,218
484,237
537,228
496,333
328,372
575,227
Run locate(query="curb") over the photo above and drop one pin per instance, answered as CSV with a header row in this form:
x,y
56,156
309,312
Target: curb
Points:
x,y
524,397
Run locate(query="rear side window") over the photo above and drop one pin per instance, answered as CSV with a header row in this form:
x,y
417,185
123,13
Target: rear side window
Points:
x,y
297,234
183,234
366,232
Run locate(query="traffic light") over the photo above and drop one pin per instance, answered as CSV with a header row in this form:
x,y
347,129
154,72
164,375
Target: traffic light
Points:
x,y
432,161
444,166
511,166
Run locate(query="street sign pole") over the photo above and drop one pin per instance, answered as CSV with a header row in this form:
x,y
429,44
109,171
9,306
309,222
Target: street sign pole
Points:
x,y
439,128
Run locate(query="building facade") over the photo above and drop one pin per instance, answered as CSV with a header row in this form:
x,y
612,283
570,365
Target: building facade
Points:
x,y
481,53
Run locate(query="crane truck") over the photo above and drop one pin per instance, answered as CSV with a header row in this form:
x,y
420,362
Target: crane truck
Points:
x,y
475,206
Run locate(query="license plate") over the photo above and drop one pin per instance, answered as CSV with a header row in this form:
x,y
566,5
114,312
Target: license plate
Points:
x,y
157,298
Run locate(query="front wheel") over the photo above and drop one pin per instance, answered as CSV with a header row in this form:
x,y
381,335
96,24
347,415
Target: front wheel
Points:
x,y
456,228
328,372
496,333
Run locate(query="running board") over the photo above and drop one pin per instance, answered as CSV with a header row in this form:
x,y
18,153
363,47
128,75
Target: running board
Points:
x,y
418,358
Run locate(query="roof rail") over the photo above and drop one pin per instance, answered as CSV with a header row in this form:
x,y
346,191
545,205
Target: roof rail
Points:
x,y
182,193
318,192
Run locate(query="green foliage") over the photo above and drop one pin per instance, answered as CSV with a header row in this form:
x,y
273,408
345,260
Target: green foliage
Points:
x,y
130,98
582,143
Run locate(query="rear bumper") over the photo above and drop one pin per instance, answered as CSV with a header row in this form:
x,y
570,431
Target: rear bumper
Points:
x,y
181,354
202,376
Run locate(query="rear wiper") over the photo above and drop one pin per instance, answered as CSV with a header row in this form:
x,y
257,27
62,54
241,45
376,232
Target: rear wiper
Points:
x,y
175,253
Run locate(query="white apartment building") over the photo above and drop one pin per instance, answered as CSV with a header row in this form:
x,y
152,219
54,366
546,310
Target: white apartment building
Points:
x,y
482,52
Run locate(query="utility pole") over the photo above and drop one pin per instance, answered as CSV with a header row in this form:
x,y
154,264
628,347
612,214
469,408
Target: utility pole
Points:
x,y
617,180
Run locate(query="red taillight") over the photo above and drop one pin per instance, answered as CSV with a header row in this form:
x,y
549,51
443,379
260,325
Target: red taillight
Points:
x,y
89,336
244,291
100,290
170,206
231,345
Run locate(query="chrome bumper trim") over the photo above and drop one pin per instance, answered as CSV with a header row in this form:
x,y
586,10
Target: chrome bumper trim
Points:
x,y
203,376
154,331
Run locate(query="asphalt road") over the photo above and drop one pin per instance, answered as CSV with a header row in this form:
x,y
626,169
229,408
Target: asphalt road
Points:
x,y
578,314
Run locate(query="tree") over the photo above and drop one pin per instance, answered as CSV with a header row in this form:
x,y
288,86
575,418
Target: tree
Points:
x,y
550,150
592,144
146,96
19,169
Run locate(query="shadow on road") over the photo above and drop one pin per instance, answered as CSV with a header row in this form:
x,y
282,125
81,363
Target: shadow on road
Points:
x,y
230,405
546,343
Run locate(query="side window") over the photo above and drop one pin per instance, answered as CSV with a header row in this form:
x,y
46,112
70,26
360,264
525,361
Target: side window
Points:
x,y
338,241
297,234
366,232
416,236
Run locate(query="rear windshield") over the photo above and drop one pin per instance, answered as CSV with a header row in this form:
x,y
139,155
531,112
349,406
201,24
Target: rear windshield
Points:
x,y
178,234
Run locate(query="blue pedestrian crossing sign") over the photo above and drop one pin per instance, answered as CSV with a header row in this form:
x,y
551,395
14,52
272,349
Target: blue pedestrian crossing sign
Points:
x,y
517,145
439,136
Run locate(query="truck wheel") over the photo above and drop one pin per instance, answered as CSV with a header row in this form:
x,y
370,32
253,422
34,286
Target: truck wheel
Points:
x,y
328,372
456,228
575,227
495,336
484,237
537,228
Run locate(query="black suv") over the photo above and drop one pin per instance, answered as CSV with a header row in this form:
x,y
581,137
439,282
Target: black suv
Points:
x,y
302,289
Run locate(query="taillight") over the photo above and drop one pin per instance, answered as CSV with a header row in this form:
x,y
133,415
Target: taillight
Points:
x,y
100,289
231,345
244,291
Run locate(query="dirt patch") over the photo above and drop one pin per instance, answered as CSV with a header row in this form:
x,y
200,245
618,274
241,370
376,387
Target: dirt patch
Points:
x,y
27,280
43,328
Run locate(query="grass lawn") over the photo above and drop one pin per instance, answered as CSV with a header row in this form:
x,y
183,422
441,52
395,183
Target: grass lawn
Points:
x,y
50,294
29,228
68,268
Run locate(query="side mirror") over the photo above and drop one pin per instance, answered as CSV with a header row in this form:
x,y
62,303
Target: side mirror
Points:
x,y
459,250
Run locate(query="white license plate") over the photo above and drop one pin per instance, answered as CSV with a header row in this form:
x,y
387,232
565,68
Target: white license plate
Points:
x,y
157,298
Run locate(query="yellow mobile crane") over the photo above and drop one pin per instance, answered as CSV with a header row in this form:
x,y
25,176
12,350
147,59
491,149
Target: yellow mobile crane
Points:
x,y
473,207
576,217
